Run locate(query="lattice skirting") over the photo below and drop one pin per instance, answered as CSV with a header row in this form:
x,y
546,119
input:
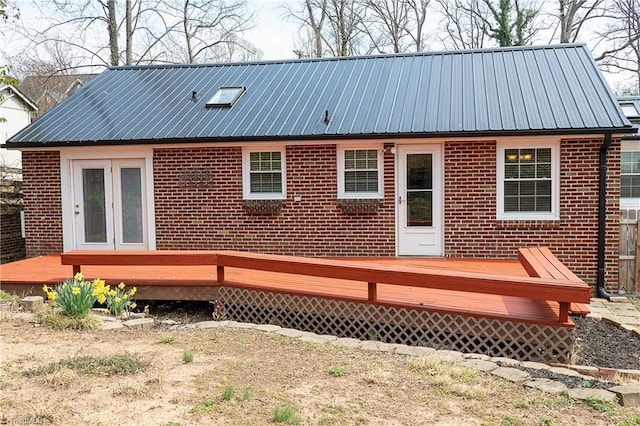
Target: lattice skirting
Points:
x,y
521,341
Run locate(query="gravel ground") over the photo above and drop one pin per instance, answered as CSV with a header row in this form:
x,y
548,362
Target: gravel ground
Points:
x,y
602,344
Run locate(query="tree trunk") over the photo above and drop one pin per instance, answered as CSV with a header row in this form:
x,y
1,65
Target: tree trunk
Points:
x,y
129,55
113,33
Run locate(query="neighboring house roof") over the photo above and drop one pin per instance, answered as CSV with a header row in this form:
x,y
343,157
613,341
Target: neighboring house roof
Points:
x,y
535,90
631,108
7,91
49,90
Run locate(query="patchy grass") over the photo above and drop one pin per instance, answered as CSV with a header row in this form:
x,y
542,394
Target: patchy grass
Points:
x,y
58,371
92,365
59,321
9,298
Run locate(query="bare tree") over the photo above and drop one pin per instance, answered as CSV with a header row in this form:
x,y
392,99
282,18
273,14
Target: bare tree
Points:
x,y
311,14
345,29
208,27
330,27
573,14
464,25
622,41
418,10
390,22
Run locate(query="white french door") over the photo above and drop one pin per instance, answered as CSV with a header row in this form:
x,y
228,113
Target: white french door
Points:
x,y
419,200
109,208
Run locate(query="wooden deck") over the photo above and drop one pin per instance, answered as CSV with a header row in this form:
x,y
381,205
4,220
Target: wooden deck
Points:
x,y
195,283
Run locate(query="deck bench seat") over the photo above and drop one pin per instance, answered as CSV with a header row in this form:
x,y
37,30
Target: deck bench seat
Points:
x,y
539,262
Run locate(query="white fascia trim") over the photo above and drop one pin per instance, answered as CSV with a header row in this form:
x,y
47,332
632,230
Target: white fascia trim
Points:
x,y
501,146
342,194
246,172
68,155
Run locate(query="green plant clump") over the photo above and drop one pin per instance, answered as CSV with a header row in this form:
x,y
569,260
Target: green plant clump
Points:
x,y
286,414
187,356
336,371
228,392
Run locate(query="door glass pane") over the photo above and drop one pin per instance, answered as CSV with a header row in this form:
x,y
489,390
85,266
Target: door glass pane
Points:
x,y
419,174
93,192
419,190
419,212
131,193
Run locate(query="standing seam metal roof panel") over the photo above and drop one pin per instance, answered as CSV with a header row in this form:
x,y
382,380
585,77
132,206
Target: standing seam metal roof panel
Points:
x,y
505,90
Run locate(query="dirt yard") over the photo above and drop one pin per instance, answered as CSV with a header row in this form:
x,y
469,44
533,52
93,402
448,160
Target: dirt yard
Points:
x,y
247,377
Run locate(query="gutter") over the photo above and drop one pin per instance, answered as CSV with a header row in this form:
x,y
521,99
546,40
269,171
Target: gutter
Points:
x,y
602,219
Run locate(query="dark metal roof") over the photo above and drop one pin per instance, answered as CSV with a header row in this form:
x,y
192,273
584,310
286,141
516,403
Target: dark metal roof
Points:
x,y
534,90
635,120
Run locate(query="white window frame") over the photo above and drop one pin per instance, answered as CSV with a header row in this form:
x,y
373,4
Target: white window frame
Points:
x,y
629,202
342,194
246,174
555,180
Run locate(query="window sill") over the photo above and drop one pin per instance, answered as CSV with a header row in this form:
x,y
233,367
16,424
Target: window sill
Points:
x,y
262,206
528,224
355,206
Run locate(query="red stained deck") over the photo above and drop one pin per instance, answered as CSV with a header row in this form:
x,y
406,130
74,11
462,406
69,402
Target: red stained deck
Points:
x,y
194,283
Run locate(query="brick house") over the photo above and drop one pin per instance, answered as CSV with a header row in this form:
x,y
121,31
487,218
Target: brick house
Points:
x,y
461,153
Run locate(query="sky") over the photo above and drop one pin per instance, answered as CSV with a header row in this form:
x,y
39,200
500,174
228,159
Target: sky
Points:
x,y
273,33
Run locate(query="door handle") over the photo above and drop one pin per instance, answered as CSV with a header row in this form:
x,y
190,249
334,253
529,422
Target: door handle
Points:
x,y
76,212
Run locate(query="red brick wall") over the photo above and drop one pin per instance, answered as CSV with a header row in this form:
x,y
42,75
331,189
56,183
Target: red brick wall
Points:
x,y
11,239
211,215
42,202
471,228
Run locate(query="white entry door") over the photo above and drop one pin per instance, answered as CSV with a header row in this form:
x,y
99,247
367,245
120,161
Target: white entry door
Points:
x,y
109,204
419,199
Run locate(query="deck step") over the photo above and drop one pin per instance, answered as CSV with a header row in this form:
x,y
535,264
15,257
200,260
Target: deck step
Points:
x,y
579,309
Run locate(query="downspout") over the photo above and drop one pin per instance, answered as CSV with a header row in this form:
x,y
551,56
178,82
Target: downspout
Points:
x,y
602,219
602,216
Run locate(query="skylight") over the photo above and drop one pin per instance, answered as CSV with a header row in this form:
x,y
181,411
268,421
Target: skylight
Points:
x,y
630,110
226,96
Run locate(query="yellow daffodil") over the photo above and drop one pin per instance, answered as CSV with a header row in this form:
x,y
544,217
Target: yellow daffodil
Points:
x,y
133,291
121,286
133,306
51,295
78,276
75,291
98,283
112,292
45,288
102,298
118,300
125,296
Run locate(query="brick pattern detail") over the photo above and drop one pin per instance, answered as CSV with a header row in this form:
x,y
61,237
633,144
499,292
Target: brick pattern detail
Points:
x,y
213,217
11,239
42,202
471,228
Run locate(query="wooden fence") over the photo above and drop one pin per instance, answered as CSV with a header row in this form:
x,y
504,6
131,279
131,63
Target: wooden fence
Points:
x,y
629,265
